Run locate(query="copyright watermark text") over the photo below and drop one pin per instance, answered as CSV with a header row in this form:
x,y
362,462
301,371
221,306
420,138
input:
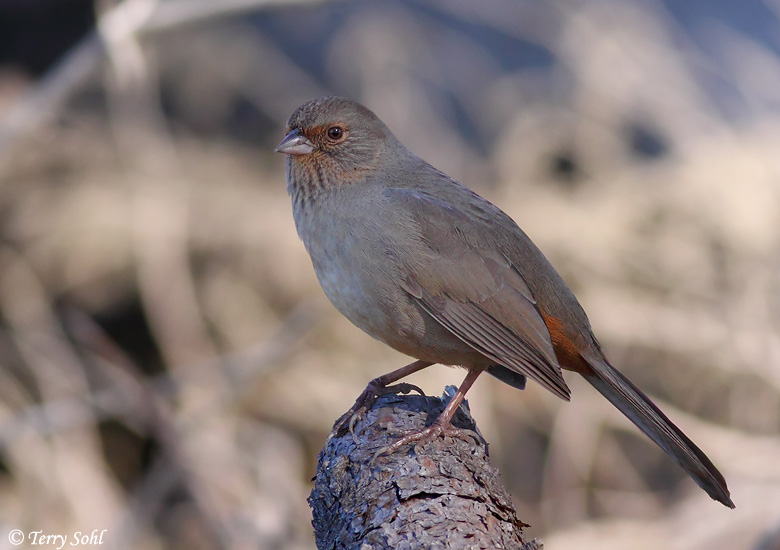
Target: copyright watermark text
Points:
x,y
58,541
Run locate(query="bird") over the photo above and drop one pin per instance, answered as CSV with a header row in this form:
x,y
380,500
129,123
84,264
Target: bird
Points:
x,y
429,267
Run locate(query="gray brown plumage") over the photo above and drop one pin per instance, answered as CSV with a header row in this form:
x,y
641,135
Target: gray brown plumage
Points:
x,y
435,271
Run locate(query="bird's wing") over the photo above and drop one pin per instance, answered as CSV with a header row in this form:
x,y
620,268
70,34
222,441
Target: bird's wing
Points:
x,y
473,290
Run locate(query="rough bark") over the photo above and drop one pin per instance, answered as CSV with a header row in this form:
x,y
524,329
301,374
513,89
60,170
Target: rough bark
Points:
x,y
442,494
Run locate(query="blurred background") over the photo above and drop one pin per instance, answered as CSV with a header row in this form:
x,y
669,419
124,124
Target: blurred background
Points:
x,y
170,368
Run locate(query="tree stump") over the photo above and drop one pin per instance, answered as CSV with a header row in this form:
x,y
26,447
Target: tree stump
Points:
x,y
442,494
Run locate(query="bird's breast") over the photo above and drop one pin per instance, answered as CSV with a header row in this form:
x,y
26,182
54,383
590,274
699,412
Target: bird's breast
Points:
x,y
360,255
351,257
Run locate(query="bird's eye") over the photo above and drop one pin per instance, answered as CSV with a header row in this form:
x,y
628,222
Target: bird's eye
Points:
x,y
335,133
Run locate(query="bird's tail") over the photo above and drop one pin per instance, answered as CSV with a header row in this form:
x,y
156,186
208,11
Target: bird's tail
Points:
x,y
622,393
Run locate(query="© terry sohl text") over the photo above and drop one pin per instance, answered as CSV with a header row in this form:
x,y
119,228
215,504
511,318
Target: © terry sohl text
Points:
x,y
39,538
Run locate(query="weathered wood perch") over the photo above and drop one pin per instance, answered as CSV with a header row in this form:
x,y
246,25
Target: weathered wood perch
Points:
x,y
443,494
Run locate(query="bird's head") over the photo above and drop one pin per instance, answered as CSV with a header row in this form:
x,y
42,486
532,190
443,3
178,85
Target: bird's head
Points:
x,y
332,141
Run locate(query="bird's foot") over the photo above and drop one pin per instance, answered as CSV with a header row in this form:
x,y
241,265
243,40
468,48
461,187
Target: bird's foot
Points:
x,y
426,435
373,391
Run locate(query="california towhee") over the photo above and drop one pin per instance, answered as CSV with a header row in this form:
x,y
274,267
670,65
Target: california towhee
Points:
x,y
435,271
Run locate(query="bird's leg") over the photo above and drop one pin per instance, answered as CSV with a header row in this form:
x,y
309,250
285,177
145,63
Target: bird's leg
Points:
x,y
378,386
443,424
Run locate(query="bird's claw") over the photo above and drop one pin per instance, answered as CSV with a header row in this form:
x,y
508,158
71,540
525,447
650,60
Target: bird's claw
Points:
x,y
427,435
373,391
404,388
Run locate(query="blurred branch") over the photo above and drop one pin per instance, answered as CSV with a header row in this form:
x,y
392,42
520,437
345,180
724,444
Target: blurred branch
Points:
x,y
147,407
131,17
66,461
443,494
131,397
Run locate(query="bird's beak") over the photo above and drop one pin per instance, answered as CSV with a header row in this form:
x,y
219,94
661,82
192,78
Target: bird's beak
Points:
x,y
295,143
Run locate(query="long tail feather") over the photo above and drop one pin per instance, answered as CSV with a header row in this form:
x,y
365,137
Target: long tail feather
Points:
x,y
622,393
